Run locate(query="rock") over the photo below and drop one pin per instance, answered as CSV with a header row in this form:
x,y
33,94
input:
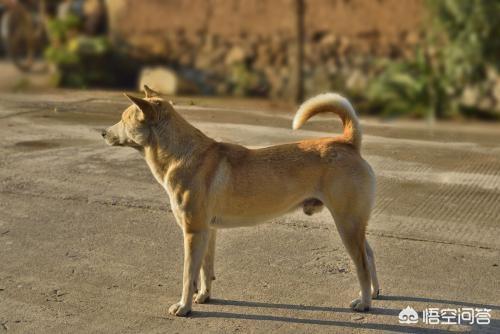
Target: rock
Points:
x,y
356,81
486,103
235,55
263,58
496,92
275,80
329,41
186,59
470,96
344,46
318,81
412,38
160,79
203,62
492,74
358,60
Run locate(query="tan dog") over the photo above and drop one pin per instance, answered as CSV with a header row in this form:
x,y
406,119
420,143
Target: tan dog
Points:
x,y
215,185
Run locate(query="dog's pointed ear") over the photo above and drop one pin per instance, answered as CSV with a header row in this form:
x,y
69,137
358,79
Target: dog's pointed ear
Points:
x,y
145,106
149,92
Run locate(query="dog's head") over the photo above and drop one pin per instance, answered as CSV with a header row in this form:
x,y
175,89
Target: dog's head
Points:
x,y
138,121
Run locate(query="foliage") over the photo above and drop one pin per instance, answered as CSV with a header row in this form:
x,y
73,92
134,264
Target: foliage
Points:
x,y
60,29
82,60
461,42
470,30
416,88
246,82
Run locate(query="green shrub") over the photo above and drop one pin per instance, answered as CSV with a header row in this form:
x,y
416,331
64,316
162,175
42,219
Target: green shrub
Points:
x,y
246,82
416,88
461,41
81,61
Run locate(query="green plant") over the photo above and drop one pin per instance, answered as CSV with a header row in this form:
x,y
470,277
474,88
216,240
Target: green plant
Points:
x,y
416,88
60,29
470,33
244,81
82,61
461,41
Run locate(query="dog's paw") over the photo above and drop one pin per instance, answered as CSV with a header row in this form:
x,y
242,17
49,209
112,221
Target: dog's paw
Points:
x,y
359,306
202,297
179,310
375,293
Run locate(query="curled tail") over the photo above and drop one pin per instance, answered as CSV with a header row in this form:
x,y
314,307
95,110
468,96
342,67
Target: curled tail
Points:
x,y
331,102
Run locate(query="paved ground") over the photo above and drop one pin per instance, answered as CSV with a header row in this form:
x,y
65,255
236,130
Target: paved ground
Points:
x,y
84,250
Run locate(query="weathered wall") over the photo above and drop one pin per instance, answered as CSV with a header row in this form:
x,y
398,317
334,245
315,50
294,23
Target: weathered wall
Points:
x,y
362,21
248,46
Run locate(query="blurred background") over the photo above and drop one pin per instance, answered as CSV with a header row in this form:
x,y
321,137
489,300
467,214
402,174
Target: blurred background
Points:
x,y
416,58
87,238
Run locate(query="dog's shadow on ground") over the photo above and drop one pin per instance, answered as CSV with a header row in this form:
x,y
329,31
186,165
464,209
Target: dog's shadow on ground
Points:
x,y
348,324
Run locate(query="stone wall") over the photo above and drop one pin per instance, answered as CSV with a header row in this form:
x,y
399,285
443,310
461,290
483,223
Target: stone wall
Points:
x,y
368,23
248,47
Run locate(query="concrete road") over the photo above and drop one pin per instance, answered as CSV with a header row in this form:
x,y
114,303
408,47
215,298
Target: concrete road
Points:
x,y
88,243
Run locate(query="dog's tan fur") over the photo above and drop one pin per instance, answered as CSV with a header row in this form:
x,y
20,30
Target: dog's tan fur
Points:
x,y
215,185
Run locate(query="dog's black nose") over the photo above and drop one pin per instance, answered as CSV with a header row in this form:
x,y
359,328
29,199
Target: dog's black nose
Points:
x,y
103,133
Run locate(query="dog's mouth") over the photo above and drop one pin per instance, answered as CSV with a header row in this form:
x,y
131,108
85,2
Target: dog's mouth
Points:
x,y
130,143
111,139
114,141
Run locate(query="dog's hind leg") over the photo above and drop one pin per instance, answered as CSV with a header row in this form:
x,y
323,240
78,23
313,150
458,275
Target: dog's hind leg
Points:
x,y
352,233
207,273
373,270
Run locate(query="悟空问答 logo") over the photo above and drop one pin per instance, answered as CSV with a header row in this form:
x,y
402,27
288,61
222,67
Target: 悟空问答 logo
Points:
x,y
408,316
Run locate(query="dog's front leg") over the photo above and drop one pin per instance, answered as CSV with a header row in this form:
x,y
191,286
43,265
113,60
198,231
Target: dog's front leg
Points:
x,y
207,274
195,244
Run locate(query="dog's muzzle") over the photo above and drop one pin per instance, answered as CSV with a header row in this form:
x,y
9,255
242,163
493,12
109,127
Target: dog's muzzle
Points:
x,y
109,138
